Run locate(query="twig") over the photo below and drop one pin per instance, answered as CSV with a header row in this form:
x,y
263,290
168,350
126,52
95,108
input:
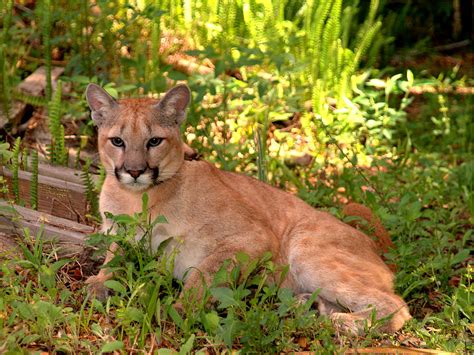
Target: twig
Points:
x,y
455,45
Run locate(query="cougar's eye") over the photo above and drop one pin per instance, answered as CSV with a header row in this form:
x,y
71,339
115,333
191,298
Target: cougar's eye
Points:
x,y
117,141
154,142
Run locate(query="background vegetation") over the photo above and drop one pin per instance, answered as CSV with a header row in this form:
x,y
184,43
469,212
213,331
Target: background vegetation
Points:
x,y
336,101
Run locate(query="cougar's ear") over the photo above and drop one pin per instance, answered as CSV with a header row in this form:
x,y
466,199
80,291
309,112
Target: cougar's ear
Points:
x,y
100,102
172,107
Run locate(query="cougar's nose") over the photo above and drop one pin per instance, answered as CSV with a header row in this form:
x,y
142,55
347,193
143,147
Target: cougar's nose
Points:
x,y
135,173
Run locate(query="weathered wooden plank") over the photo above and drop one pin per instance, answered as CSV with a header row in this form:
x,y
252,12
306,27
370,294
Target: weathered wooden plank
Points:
x,y
61,173
70,236
56,196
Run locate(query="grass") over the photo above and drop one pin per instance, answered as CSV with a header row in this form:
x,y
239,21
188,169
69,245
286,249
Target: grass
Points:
x,y
407,157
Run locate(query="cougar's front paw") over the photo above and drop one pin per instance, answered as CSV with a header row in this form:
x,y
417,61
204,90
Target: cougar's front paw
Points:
x,y
178,307
348,324
96,288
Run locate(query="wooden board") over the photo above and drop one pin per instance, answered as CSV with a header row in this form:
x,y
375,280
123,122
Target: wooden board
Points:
x,y
61,194
70,236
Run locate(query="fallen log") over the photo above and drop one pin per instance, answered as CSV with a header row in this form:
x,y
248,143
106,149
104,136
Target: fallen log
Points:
x,y
33,85
69,236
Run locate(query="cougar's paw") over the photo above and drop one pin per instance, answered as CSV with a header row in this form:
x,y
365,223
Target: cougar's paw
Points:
x,y
178,307
96,288
348,324
302,298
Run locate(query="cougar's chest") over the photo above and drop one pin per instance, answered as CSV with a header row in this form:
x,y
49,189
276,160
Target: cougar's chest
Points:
x,y
182,246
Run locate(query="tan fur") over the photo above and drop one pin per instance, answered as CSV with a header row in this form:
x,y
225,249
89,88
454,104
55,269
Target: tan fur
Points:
x,y
213,214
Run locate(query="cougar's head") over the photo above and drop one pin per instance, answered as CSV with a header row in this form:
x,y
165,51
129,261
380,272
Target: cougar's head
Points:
x,y
139,139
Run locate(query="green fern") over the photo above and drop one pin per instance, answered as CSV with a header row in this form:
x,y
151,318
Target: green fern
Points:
x,y
350,69
7,13
29,99
5,82
91,191
102,176
25,154
34,181
155,50
45,14
5,87
15,168
58,153
315,37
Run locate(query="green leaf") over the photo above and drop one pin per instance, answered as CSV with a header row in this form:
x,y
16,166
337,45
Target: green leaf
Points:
x,y
176,75
163,245
159,220
225,296
230,329
219,68
175,316
166,352
242,258
47,277
188,346
112,346
24,310
410,77
30,339
116,286
112,91
124,219
59,264
210,322
145,202
152,265
413,210
133,314
460,257
222,275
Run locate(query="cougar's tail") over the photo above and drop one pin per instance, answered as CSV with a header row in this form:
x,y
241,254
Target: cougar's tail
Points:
x,y
382,238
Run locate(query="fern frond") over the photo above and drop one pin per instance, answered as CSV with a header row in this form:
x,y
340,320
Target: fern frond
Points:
x,y
330,36
368,23
34,181
5,82
354,63
91,191
45,11
102,176
15,168
57,149
25,154
7,13
29,99
315,36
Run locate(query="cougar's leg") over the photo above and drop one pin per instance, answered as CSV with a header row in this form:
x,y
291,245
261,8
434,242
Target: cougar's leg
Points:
x,y
95,283
352,278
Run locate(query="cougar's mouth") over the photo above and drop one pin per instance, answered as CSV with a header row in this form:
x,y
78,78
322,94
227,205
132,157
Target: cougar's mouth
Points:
x,y
137,180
